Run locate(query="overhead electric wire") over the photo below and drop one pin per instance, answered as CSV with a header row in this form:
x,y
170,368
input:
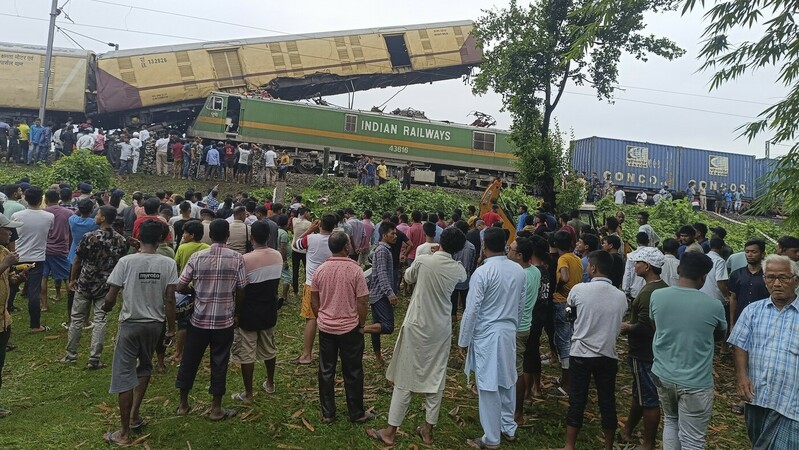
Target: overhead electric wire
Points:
x,y
695,95
687,108
107,28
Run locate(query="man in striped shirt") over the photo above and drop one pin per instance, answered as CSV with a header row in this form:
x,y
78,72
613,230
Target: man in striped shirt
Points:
x,y
218,278
254,337
382,297
766,359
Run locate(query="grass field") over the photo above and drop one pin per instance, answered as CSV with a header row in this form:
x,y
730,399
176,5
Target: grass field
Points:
x,y
63,407
56,406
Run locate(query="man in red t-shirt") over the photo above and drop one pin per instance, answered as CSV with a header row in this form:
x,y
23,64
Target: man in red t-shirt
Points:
x,y
177,158
230,162
492,216
415,235
151,206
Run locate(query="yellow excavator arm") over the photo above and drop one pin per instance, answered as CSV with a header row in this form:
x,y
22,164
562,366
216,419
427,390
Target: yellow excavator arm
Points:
x,y
489,197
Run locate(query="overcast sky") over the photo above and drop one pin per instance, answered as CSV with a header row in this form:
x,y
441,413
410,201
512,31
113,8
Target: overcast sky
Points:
x,y
579,112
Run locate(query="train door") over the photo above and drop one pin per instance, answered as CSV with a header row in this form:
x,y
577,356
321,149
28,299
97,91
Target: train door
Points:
x,y
233,116
397,50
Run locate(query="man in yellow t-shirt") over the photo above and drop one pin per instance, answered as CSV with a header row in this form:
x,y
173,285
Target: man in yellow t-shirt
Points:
x,y
569,273
24,142
382,173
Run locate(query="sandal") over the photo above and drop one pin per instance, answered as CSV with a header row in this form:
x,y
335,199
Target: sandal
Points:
x,y
186,413
299,363
478,443
136,424
267,389
367,416
109,437
95,365
375,434
241,397
509,438
421,436
41,329
226,414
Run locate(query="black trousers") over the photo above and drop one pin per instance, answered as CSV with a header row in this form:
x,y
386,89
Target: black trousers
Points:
x,y
296,257
603,369
458,297
197,340
532,353
349,347
382,313
4,336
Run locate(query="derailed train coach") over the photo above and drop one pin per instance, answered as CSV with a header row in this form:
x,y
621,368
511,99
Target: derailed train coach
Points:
x,y
22,75
644,166
169,84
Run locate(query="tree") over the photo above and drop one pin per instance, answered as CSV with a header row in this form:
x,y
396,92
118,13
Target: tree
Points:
x,y
530,54
777,46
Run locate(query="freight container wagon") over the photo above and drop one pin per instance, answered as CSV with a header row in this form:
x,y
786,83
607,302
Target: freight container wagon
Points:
x,y
644,166
763,167
22,75
441,153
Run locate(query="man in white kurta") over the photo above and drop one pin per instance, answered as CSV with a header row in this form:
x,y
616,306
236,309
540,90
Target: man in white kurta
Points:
x,y
422,348
488,328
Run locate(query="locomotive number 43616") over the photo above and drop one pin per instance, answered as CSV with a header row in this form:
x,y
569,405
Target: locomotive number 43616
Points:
x,y
397,149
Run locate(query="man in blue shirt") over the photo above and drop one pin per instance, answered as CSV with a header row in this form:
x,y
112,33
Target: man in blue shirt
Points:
x,y
494,309
767,360
212,162
371,169
35,136
522,215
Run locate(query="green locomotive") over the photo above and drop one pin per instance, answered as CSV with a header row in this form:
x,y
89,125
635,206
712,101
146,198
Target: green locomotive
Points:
x,y
441,153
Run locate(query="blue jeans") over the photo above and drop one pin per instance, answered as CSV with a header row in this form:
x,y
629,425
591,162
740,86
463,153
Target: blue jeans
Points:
x,y
33,151
186,165
382,313
686,413
563,334
34,284
43,150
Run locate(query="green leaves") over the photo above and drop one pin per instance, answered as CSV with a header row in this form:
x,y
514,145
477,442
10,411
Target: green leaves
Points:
x,y
531,53
81,166
330,194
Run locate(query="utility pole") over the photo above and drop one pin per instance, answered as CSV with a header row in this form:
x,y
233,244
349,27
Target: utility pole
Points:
x,y
54,11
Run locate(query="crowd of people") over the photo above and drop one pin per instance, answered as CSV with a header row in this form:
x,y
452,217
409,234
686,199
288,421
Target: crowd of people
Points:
x,y
133,149
211,274
725,199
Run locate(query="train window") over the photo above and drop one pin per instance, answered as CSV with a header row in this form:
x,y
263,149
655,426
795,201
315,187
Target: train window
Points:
x,y
397,50
216,103
483,141
350,123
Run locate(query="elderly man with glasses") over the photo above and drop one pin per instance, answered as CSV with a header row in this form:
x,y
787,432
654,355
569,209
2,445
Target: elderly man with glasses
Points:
x,y
766,341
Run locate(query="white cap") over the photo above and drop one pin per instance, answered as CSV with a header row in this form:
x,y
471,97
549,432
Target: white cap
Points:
x,y
649,255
